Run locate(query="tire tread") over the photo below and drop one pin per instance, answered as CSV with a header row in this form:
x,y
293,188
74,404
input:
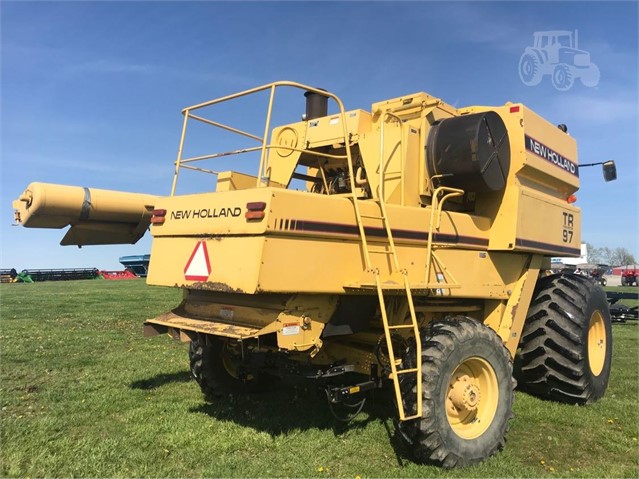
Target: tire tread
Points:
x,y
552,362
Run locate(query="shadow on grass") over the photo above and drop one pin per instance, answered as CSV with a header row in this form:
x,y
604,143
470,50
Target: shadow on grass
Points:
x,y
161,380
290,409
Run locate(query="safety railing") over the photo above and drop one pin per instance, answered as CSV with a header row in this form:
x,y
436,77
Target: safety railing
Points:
x,y
437,205
264,145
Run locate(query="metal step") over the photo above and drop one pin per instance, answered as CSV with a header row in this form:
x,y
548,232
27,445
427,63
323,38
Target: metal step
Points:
x,y
401,326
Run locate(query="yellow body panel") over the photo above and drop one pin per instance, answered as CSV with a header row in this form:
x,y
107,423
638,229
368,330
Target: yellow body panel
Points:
x,y
230,271
232,180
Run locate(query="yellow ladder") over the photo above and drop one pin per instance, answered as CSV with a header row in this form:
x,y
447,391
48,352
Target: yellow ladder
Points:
x,y
397,370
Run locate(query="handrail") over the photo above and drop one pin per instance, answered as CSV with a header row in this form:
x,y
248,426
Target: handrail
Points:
x,y
401,154
179,155
435,223
203,170
260,170
225,127
219,155
265,145
257,148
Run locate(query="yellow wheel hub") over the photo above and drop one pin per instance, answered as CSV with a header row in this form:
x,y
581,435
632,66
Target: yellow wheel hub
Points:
x,y
229,360
230,366
472,398
596,343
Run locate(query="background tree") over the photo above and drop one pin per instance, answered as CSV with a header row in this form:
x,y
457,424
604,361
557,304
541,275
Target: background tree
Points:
x,y
621,257
611,257
595,254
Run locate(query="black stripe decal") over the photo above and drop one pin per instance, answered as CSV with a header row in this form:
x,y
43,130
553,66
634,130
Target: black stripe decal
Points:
x,y
547,247
336,228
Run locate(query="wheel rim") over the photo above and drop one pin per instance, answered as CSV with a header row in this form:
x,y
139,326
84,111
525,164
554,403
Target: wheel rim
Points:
x,y
597,343
472,398
228,361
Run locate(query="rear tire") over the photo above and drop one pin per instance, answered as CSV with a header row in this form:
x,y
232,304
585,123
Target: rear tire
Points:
x,y
215,369
467,394
566,346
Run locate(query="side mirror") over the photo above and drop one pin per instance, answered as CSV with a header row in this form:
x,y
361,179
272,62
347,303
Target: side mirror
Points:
x,y
609,171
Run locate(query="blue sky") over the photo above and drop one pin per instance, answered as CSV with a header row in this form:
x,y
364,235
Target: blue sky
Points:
x,y
92,91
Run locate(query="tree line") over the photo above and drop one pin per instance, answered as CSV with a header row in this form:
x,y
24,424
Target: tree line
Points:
x,y
609,256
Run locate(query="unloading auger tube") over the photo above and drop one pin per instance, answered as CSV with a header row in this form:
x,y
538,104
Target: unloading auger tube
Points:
x,y
407,246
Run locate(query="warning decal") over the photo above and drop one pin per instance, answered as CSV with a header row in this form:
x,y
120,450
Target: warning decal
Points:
x,y
198,267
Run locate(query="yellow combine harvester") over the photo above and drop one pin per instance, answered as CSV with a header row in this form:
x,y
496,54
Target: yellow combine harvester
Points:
x,y
416,255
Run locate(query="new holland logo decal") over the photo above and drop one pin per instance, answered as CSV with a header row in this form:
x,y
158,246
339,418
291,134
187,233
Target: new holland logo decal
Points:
x,y
542,151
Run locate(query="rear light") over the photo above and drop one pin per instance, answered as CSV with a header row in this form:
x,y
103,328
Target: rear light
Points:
x,y
254,215
514,109
255,210
571,199
256,206
158,217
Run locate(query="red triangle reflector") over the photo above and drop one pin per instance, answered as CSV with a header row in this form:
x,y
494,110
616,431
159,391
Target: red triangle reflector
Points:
x,y
198,267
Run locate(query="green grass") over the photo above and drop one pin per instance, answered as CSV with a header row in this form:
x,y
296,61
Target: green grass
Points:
x,y
84,394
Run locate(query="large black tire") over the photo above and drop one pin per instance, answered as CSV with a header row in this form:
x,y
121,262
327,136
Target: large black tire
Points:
x,y
212,366
566,345
467,394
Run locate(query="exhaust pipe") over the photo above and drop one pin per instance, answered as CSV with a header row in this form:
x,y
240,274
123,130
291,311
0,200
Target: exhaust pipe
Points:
x,y
316,105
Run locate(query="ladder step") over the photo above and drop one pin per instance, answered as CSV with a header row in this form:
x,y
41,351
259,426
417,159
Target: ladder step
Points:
x,y
375,217
408,418
380,252
403,371
401,326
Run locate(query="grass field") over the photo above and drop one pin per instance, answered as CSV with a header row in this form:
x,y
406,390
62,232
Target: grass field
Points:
x,y
84,394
